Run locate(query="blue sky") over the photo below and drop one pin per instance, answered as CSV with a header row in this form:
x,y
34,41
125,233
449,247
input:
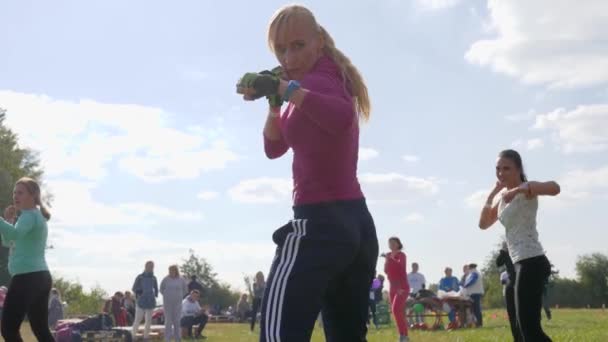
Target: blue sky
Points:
x,y
148,151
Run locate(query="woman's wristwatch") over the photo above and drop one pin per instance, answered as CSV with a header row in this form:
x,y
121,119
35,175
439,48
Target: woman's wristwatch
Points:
x,y
292,86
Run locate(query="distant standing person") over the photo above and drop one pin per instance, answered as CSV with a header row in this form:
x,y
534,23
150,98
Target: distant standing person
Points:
x,y
465,273
129,304
173,288
259,286
146,291
375,297
31,282
416,279
194,284
516,209
417,283
504,280
395,268
55,308
474,287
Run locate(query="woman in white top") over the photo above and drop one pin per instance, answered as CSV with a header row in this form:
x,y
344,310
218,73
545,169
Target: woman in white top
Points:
x,y
516,209
173,288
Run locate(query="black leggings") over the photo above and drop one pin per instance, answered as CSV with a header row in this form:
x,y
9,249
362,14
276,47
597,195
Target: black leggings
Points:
x,y
257,304
510,299
531,275
27,294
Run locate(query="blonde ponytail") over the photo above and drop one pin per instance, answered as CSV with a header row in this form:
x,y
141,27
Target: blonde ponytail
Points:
x,y
43,209
353,80
34,189
350,74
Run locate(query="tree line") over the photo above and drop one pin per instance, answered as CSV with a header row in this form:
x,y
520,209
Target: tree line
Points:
x,y
588,290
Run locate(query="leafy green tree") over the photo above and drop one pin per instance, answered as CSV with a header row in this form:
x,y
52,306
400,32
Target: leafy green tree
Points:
x,y
216,294
199,267
592,271
567,293
78,301
222,296
492,297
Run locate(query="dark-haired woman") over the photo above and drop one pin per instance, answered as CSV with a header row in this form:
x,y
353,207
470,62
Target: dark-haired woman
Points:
x,y
516,209
395,268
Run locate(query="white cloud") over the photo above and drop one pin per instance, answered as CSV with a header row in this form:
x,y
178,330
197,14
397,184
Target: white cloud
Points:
x,y
530,115
582,184
130,250
477,199
530,144
84,137
367,154
395,187
192,73
414,218
125,246
553,42
74,205
144,210
383,187
584,129
535,143
517,143
207,195
436,4
178,165
262,190
411,158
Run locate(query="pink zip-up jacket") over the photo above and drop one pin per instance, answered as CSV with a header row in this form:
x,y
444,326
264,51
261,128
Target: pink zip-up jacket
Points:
x,y
324,136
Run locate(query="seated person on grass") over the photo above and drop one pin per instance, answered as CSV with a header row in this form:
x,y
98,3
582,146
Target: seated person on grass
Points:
x,y
193,314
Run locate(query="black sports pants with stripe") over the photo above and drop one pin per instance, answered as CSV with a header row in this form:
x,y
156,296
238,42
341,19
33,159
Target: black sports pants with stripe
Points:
x,y
325,260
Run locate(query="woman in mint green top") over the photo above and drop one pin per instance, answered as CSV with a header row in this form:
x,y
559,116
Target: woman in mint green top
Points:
x,y
28,239
29,288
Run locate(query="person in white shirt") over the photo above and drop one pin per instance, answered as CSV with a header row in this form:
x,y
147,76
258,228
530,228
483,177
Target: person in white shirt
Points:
x,y
173,288
417,282
193,314
474,287
504,280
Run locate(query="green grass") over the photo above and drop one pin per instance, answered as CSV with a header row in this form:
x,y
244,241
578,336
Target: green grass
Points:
x,y
567,325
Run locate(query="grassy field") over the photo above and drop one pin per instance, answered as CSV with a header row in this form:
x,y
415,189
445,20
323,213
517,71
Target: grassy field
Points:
x,y
567,325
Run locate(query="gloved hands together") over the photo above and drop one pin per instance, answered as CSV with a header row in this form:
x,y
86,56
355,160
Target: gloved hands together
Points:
x,y
254,85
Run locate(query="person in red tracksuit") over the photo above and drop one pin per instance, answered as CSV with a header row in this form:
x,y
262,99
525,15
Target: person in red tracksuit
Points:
x,y
395,268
